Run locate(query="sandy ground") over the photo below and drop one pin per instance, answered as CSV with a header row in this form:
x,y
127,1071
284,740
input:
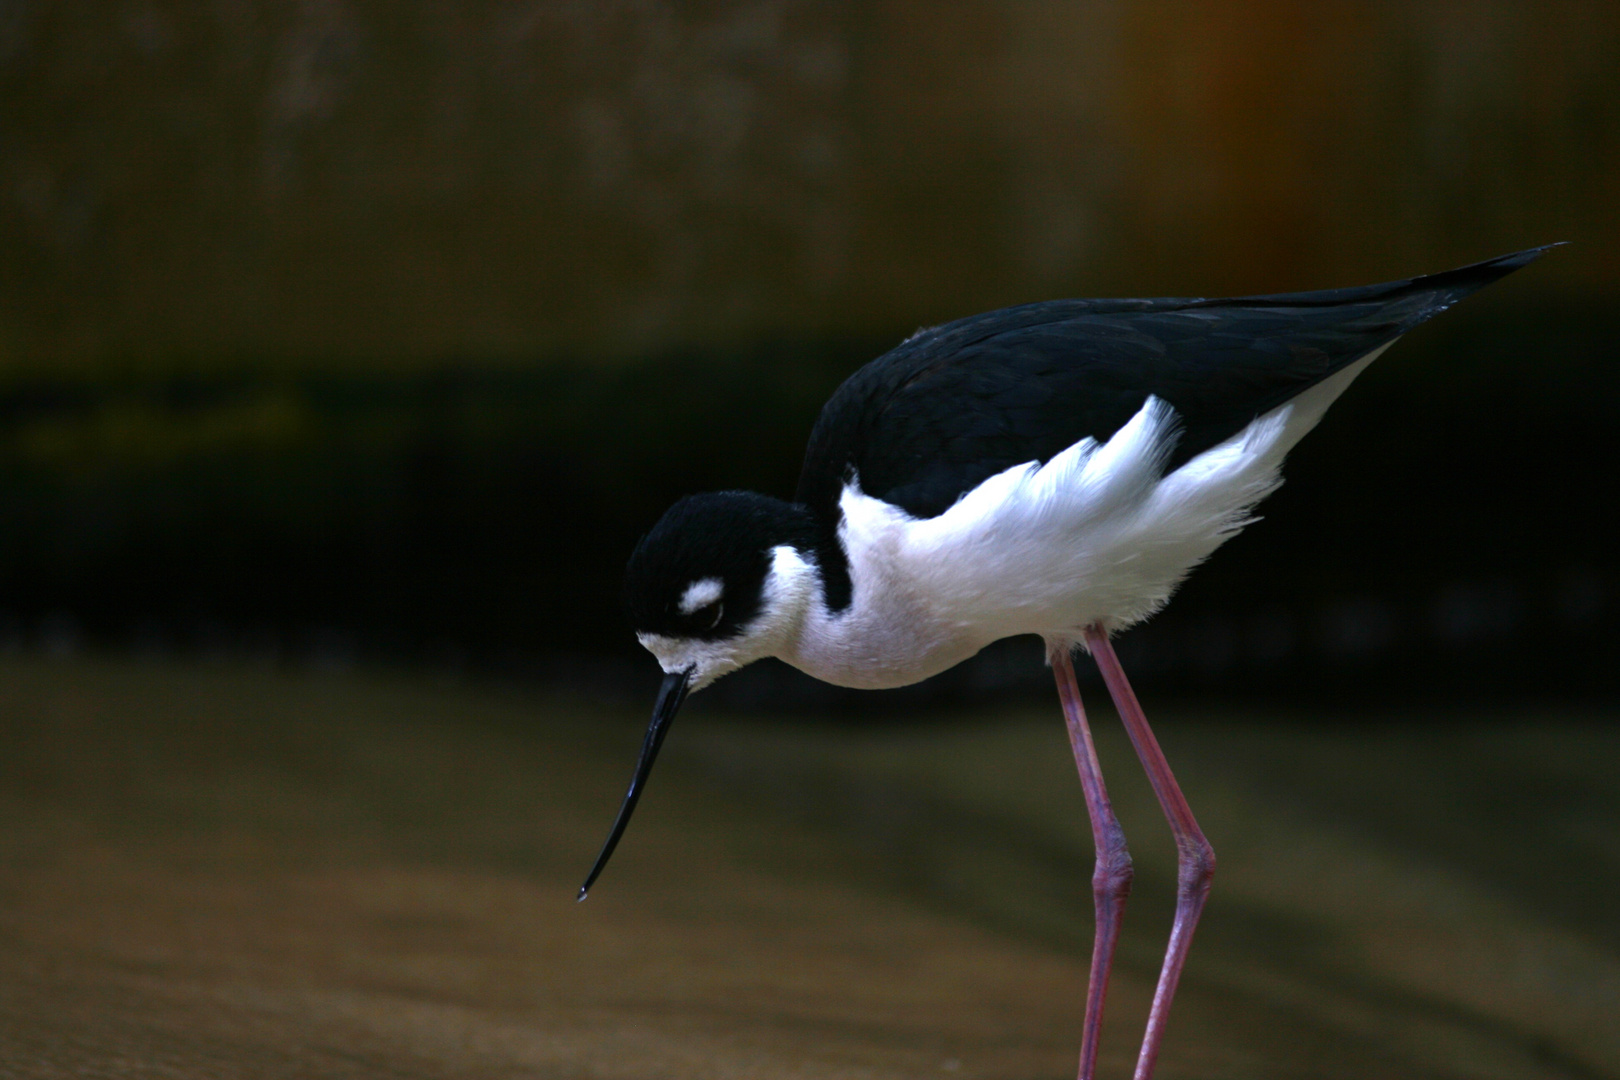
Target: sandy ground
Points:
x,y
226,872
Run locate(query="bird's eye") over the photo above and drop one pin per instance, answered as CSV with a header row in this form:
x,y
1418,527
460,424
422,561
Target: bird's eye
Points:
x,y
708,616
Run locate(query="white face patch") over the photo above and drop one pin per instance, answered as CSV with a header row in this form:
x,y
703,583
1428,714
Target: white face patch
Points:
x,y
705,660
701,593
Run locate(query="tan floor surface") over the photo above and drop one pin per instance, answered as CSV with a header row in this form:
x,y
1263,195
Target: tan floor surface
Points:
x,y
225,872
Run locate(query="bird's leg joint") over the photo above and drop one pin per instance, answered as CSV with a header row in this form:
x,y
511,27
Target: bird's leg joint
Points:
x,y
1114,872
1196,864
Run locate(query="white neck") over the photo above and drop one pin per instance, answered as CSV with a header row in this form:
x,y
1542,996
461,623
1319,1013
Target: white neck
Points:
x,y
886,637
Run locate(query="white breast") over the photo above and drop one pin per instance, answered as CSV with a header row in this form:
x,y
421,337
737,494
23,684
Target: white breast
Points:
x,y
1095,535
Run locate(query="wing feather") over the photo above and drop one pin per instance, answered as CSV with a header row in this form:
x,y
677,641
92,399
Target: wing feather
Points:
x,y
952,406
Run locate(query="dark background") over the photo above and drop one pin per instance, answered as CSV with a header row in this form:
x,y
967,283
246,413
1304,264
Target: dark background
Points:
x,y
359,331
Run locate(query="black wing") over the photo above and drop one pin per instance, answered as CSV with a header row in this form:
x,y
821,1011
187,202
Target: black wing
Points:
x,y
953,405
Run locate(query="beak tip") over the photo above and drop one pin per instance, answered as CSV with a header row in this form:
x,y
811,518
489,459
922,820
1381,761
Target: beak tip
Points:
x,y
584,890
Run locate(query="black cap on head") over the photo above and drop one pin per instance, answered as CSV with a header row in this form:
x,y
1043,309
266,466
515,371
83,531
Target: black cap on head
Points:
x,y
726,536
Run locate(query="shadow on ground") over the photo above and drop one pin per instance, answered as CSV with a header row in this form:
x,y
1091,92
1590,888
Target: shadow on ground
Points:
x,y
231,872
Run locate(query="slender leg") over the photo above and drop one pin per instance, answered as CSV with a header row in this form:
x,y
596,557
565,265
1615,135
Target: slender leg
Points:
x,y
1111,881
1195,859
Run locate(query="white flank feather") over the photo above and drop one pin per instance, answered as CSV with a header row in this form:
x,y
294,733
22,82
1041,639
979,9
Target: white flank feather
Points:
x,y
1094,536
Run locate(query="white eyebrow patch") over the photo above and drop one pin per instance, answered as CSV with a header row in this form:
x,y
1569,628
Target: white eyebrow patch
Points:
x,y
701,593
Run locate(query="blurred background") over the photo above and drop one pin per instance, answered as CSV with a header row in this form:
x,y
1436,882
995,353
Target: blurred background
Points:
x,y
347,331
348,346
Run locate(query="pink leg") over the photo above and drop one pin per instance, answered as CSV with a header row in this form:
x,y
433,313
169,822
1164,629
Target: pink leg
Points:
x,y
1111,881
1195,858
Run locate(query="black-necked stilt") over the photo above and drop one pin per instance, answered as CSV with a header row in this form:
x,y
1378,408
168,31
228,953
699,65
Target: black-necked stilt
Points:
x,y
1052,469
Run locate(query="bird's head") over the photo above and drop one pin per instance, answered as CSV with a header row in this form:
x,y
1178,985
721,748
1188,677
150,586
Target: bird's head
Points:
x,y
719,582
722,580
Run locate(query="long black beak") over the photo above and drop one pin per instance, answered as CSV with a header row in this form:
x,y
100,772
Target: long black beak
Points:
x,y
670,696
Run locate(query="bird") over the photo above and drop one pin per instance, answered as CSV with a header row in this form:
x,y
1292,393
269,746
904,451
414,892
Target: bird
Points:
x,y
1056,468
